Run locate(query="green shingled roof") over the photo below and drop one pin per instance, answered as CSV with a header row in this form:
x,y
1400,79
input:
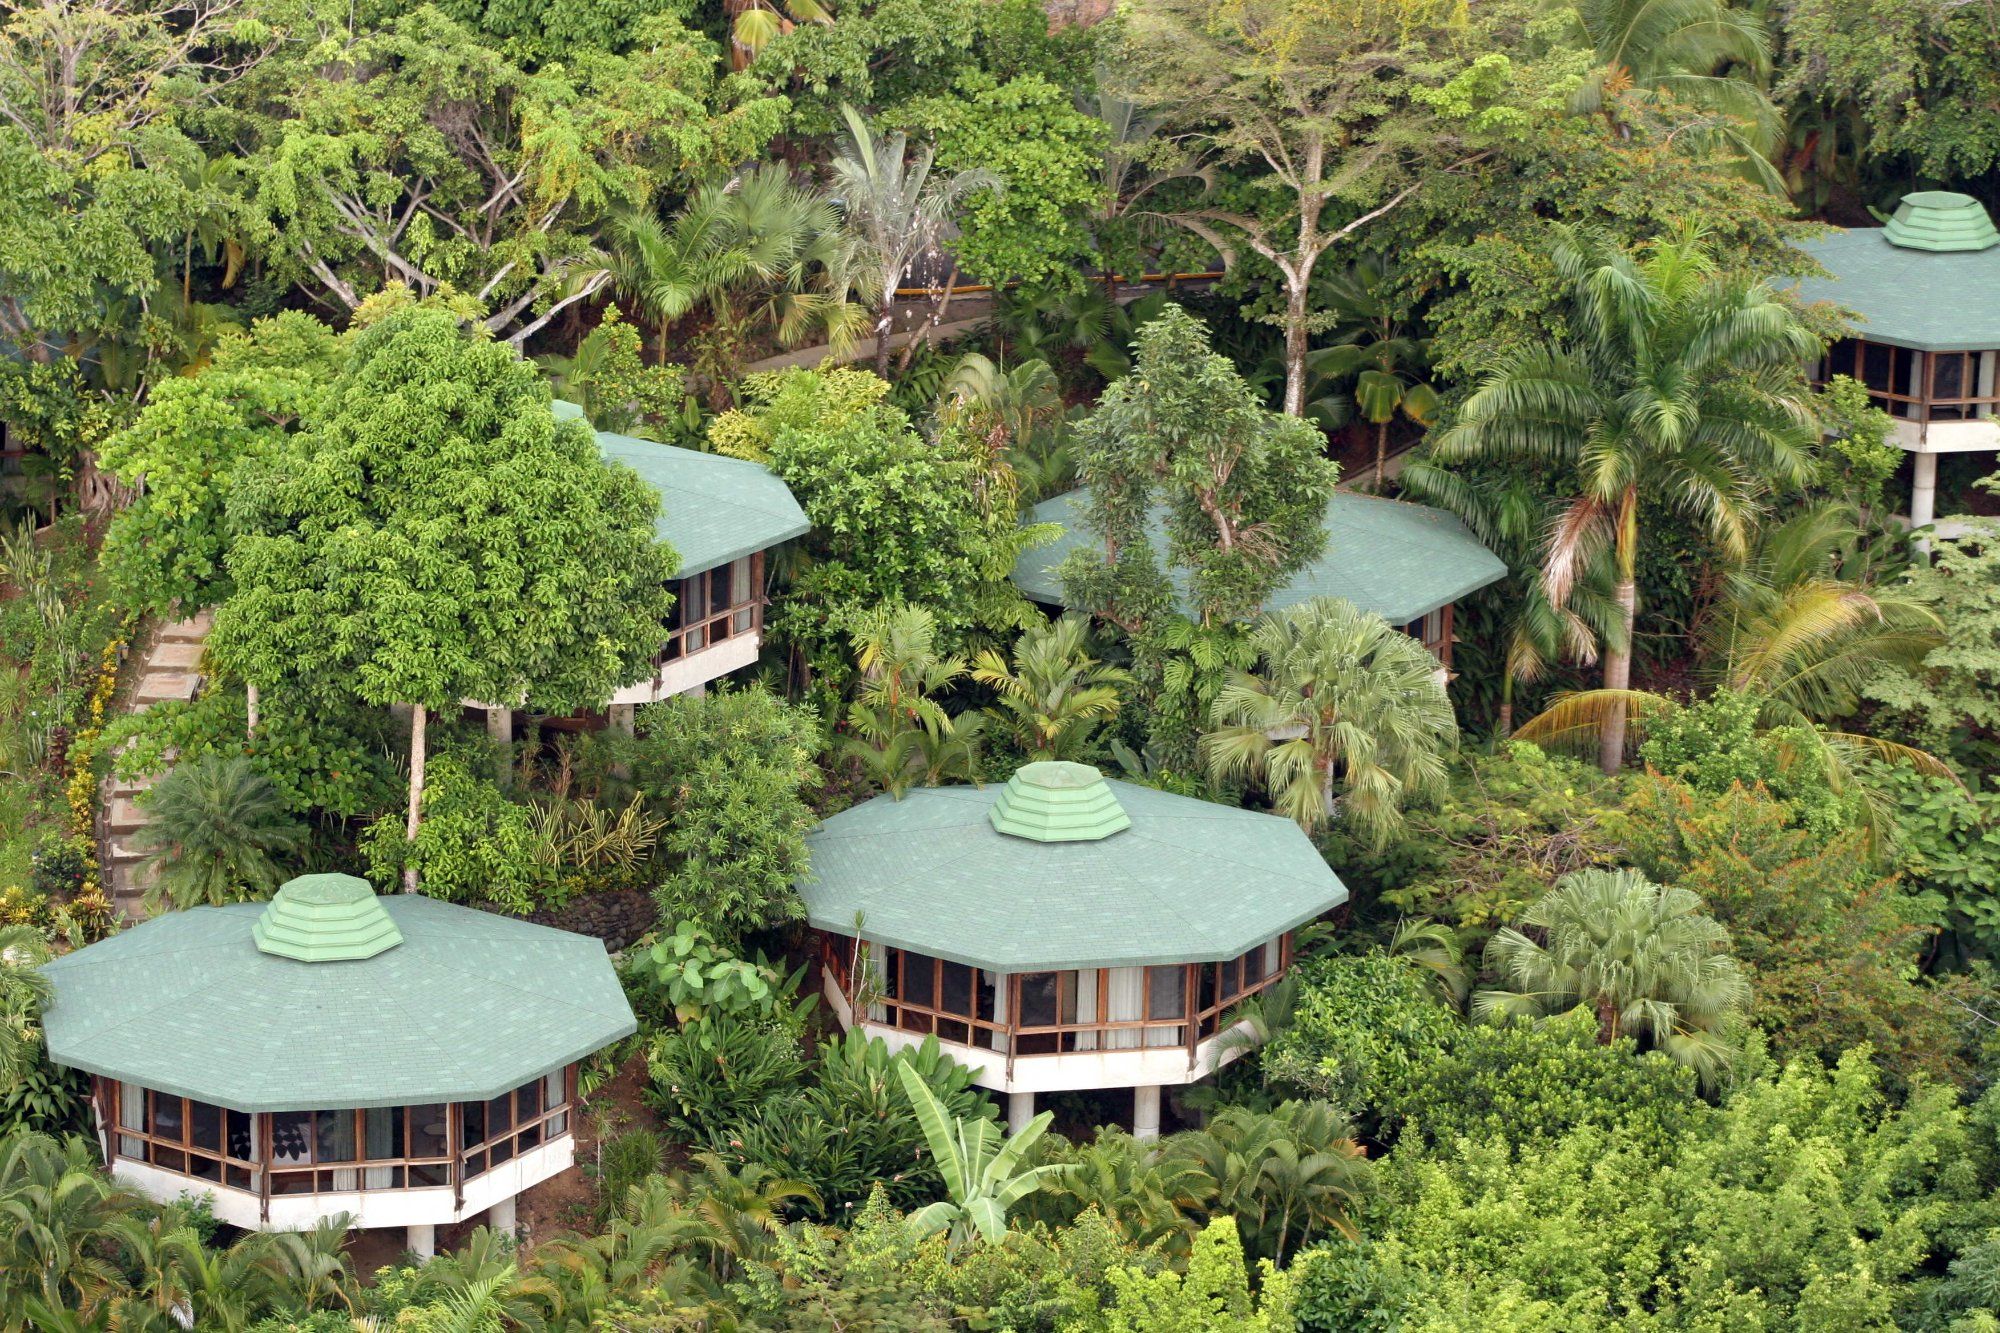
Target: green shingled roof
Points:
x,y
325,919
1930,280
1401,561
1189,881
468,1005
713,509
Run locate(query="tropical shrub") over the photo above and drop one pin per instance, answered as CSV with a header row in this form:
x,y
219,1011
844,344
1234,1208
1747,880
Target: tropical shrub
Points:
x,y
729,773
1716,744
685,975
1213,1296
711,1075
475,844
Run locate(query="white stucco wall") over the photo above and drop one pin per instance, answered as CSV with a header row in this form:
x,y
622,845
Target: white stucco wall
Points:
x,y
1946,437
369,1208
698,668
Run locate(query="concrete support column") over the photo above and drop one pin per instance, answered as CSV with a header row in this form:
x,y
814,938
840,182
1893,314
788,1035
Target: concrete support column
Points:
x,y
1020,1110
500,1216
1923,496
1146,1113
500,730
422,1240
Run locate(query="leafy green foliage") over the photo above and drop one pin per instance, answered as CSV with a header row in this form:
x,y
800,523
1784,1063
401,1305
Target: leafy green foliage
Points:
x,y
1830,944
1213,1296
1044,151
984,1172
1950,703
1244,490
1370,1033
1948,842
729,772
1716,744
475,844
686,975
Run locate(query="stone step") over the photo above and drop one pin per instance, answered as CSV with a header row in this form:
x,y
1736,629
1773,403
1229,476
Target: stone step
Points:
x,y
195,626
175,655
160,686
123,852
123,815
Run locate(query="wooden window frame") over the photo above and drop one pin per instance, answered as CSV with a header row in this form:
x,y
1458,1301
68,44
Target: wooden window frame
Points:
x,y
476,1159
1196,1023
1921,405
676,648
185,1146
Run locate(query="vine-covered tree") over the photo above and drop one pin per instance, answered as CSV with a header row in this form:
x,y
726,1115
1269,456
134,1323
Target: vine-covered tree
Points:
x,y
441,537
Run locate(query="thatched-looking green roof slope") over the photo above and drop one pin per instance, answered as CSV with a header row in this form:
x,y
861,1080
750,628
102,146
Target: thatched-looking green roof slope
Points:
x,y
465,1007
1402,561
1188,881
713,509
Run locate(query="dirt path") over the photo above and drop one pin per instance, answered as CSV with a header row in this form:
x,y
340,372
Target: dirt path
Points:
x,y
172,670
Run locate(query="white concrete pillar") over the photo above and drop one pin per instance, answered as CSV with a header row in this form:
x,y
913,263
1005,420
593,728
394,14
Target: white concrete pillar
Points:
x,y
1146,1113
421,1240
500,1216
1020,1110
500,730
1923,496
623,717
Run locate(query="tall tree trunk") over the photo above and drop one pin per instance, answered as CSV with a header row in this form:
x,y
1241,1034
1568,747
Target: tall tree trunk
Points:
x,y
1506,704
418,716
1381,452
883,323
250,710
1297,335
1618,676
1607,1021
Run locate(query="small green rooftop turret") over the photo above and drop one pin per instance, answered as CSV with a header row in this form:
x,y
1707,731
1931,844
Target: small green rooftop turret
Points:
x,y
1940,221
1057,801
325,919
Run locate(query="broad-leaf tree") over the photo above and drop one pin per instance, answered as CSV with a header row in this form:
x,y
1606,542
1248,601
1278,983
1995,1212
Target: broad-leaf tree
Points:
x,y
1682,386
1244,490
1344,716
1344,106
416,153
440,537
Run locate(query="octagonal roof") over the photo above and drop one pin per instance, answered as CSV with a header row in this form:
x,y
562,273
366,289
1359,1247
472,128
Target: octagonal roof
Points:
x,y
464,1007
1188,881
1928,280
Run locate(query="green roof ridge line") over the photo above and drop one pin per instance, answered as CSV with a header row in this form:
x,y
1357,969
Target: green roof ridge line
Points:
x,y
1939,222
325,919
1053,800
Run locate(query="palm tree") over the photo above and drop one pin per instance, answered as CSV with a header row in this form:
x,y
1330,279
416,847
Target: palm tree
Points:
x,y
1018,416
1345,715
1288,1176
23,992
1682,385
1054,693
754,24
56,1205
983,1175
1644,959
739,1209
1706,55
1387,363
1144,1193
896,212
895,730
214,826
762,251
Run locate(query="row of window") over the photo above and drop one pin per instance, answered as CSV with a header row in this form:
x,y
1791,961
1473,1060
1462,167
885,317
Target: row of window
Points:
x,y
1072,1010
1912,385
720,604
369,1148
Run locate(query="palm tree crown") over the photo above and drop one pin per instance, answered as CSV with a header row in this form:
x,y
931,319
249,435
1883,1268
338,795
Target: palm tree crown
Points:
x,y
215,825
1054,693
1343,702
1645,959
1682,385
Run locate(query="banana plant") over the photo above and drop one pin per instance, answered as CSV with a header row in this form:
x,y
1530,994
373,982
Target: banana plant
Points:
x,y
982,1174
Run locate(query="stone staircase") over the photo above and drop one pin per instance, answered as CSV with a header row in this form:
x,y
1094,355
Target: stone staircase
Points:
x,y
172,670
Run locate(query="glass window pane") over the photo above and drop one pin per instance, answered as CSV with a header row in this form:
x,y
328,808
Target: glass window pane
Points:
x,y
170,1159
500,1151
1038,998
427,1130
131,1106
205,1126
920,979
383,1128
1949,377
242,1136
552,1088
558,1124
527,1101
472,1117
434,1173
205,1168
957,997
291,1140
499,1115
334,1134
531,1137
475,1163
1253,967
1166,992
166,1122
1875,365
